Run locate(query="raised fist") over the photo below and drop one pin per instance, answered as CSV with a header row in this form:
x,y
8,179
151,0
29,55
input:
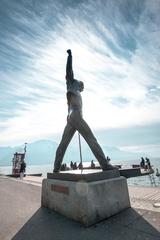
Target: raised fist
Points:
x,y
69,52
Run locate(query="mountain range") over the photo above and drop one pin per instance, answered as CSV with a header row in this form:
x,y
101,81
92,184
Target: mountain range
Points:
x,y
43,152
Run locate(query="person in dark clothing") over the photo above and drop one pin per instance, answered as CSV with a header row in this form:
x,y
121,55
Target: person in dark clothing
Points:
x,y
80,165
22,169
71,165
75,166
148,164
142,163
92,164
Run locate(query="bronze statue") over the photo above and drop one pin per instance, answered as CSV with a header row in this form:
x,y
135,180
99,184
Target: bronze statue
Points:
x,y
75,122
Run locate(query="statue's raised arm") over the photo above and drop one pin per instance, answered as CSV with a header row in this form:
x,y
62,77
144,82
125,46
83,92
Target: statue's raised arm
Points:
x,y
69,70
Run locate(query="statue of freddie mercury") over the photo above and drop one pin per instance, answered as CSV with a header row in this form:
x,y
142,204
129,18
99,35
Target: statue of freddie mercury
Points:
x,y
75,122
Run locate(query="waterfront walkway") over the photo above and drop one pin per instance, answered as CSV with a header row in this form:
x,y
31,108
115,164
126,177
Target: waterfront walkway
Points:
x,y
21,216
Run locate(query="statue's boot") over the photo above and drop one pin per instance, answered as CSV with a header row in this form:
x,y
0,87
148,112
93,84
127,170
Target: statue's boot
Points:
x,y
109,167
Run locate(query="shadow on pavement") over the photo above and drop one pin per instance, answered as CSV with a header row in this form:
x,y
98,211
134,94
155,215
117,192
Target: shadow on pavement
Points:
x,y
132,224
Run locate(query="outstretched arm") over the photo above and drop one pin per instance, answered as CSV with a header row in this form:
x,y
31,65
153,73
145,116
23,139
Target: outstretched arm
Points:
x,y
69,70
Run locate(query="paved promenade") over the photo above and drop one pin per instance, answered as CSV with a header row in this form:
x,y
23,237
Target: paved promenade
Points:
x,y
22,218
145,198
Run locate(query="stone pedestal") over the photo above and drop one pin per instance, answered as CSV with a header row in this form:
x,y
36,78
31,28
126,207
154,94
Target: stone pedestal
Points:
x,y
86,202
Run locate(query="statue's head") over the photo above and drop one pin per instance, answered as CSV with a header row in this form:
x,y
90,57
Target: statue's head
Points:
x,y
75,85
81,86
78,85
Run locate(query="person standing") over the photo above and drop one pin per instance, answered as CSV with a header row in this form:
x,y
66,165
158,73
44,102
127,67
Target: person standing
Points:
x,y
22,169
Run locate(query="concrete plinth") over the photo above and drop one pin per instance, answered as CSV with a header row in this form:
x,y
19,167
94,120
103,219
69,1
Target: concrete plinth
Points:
x,y
86,202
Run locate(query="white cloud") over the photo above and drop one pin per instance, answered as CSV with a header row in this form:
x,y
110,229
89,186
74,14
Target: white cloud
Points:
x,y
109,71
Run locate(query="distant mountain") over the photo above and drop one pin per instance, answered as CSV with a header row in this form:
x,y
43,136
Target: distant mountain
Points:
x,y
118,155
6,155
114,153
39,152
43,152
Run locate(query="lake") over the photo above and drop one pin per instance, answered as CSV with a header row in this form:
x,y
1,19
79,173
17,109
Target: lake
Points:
x,y
136,181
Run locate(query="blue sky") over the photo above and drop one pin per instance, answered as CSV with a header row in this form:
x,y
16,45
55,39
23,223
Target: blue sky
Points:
x,y
116,53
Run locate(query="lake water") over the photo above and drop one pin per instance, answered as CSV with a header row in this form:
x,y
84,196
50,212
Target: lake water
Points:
x,y
136,181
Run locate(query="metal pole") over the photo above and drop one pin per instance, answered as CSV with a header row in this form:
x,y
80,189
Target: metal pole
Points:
x,y
80,151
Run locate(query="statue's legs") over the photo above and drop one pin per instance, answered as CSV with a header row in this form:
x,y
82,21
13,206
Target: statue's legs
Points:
x,y
66,138
78,123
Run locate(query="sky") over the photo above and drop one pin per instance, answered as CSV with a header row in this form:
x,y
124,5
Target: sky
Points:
x,y
116,53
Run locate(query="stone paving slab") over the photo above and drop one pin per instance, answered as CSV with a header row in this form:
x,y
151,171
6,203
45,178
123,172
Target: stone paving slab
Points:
x,y
148,193
153,219
127,217
145,197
